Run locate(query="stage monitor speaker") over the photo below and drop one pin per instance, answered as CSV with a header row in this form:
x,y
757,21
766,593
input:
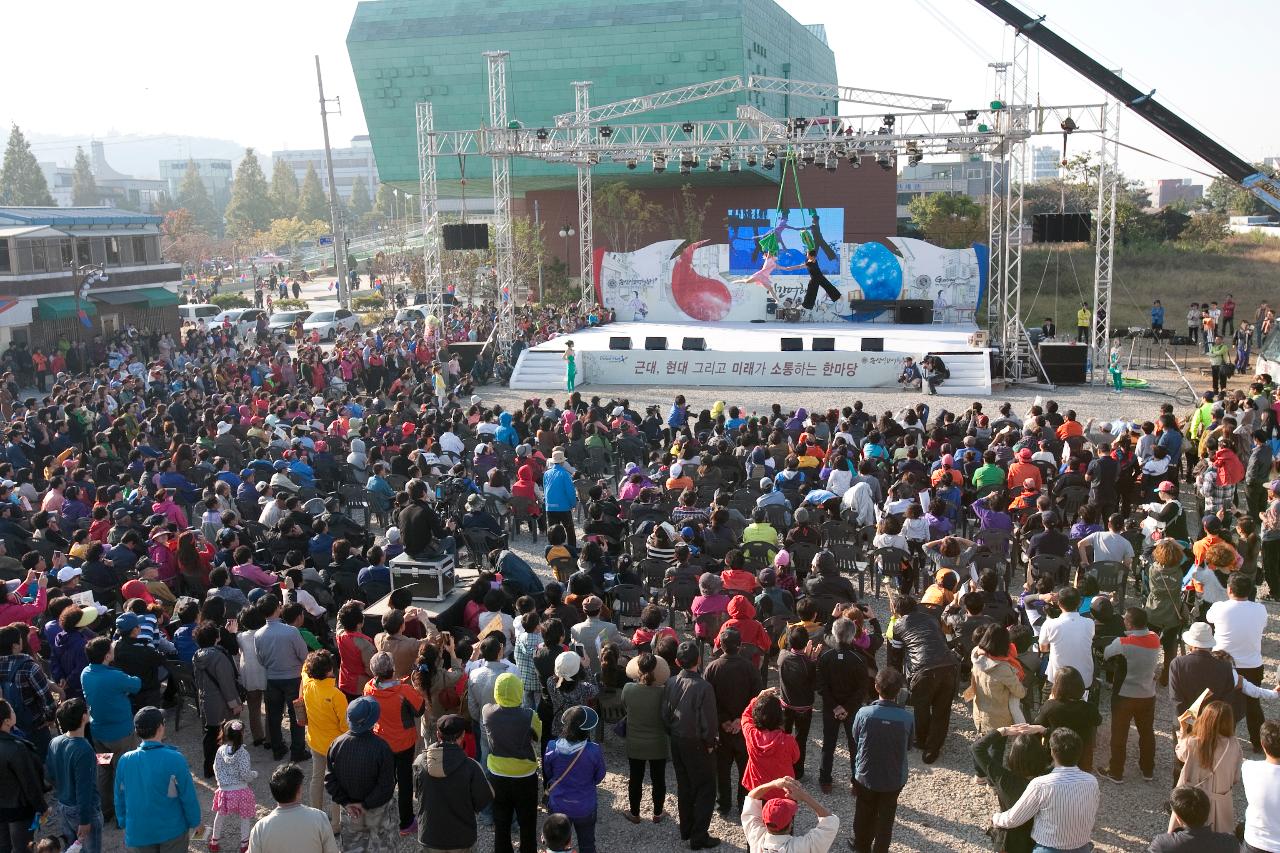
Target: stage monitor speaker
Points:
x,y
1065,364
466,236
619,343
824,344
1061,228
655,343
793,344
694,344
873,344
915,315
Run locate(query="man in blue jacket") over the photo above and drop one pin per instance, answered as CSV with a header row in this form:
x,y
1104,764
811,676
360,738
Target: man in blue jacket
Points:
x,y
156,803
506,433
107,691
560,495
882,733
72,767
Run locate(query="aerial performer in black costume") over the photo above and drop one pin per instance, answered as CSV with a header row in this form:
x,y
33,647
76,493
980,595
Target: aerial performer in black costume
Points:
x,y
816,280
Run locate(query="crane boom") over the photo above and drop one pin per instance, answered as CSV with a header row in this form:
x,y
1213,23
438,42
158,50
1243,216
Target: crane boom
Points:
x,y
1241,171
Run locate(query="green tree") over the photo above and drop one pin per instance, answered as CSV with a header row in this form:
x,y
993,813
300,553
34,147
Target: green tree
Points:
x,y
1207,227
249,210
286,233
623,216
21,181
193,197
284,189
84,189
312,203
951,221
360,205
690,216
385,204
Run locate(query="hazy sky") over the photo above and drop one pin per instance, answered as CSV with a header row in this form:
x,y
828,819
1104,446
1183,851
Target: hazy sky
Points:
x,y
244,70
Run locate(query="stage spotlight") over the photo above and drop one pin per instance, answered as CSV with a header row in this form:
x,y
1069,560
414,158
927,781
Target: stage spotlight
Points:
x,y
734,166
829,163
882,160
855,161
751,159
807,155
971,115
659,162
631,163
768,162
606,132
684,168
1068,125
687,127
997,105
542,134
890,120
713,164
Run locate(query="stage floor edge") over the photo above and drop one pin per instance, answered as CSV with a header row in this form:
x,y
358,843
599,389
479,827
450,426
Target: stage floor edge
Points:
x,y
737,352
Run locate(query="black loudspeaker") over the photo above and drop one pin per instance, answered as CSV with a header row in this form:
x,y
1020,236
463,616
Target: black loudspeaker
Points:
x,y
915,315
466,236
1061,228
824,344
873,344
619,343
655,343
1064,364
792,344
694,344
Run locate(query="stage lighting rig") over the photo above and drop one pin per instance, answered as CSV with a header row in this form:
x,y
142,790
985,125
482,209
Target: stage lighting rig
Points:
x,y
687,127
659,162
830,161
807,155
1068,125
631,163
542,134
751,159
713,163
890,121
606,132
855,161
734,166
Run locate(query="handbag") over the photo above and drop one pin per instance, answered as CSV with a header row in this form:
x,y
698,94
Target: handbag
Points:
x,y
620,727
300,711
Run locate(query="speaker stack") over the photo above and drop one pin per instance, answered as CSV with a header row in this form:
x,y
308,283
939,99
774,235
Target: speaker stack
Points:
x,y
619,343
655,343
873,344
824,344
793,344
1065,364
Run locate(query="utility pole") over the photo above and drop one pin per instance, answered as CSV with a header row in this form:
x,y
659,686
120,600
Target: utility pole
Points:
x,y
537,230
339,243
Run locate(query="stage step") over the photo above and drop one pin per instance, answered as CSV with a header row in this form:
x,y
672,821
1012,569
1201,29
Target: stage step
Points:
x,y
970,372
542,370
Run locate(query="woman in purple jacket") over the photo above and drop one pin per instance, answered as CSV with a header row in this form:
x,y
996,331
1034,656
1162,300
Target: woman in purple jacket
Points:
x,y
574,766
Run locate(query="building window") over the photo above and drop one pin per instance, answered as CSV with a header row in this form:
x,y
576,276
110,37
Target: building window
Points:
x,y
139,250
6,265
97,250
82,252
64,249
113,251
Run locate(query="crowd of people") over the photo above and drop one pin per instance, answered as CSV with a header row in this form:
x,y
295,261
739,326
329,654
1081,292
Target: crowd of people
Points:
x,y
214,526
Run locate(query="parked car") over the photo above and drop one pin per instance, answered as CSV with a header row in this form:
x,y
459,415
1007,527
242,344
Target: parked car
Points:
x,y
243,320
195,312
281,322
330,324
410,315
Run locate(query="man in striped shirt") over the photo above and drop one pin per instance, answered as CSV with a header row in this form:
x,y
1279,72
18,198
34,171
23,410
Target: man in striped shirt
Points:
x,y
1062,804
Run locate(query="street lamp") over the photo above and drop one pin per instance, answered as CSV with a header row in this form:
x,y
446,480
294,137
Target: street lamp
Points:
x,y
566,232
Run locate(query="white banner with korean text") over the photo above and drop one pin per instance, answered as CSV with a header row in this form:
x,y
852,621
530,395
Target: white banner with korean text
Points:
x,y
763,370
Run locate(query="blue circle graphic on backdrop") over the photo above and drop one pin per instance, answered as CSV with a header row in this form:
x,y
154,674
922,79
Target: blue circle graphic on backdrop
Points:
x,y
878,272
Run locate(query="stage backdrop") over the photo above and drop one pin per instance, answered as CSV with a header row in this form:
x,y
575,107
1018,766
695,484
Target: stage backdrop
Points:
x,y
665,283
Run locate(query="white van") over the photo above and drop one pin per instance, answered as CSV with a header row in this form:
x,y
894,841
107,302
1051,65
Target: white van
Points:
x,y
194,313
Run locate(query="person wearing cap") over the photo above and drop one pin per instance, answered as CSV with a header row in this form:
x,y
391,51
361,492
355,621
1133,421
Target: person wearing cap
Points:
x,y
449,789
560,497
1022,469
360,776
512,733
155,797
133,655
574,767
689,714
1167,513
768,819
477,519
67,658
401,706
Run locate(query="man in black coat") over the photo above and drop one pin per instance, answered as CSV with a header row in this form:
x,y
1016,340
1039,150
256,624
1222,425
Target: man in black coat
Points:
x,y
361,777
1191,805
736,683
448,790
419,524
933,671
136,657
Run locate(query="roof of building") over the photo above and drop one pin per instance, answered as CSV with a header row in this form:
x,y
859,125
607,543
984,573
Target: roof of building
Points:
x,y
73,217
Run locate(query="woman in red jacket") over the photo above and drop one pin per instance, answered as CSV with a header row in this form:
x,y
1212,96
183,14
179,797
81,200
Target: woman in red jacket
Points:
x,y
771,752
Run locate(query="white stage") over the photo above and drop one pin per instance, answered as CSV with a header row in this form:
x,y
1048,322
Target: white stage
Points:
x,y
738,353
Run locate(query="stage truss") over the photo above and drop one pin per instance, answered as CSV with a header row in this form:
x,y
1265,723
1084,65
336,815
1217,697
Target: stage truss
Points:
x,y
918,126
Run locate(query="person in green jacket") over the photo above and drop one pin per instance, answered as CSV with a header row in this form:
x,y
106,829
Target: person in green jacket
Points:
x,y
646,735
1166,613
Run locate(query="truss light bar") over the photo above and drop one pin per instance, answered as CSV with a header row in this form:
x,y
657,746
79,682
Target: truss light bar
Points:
x,y
687,127
542,134
606,132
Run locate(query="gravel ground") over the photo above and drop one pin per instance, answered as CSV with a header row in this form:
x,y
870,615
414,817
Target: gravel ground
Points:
x,y
942,807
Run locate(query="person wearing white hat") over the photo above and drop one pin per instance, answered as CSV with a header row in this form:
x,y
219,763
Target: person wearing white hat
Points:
x,y
559,494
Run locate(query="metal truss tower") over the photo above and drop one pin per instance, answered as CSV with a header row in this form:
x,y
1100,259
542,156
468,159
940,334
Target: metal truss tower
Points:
x,y
432,269
995,223
1105,243
503,249
586,256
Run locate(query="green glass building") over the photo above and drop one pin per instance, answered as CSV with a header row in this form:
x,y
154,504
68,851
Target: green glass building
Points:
x,y
405,51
